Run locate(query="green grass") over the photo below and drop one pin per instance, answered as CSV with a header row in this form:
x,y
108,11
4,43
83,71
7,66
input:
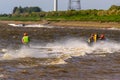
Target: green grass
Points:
x,y
109,18
112,18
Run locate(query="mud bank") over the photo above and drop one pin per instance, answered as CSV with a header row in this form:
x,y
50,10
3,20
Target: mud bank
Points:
x,y
83,24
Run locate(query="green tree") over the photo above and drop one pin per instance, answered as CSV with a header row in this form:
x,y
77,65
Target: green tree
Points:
x,y
114,7
14,10
20,10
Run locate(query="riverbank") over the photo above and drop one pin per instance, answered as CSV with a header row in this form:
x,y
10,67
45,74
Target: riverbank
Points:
x,y
83,24
86,24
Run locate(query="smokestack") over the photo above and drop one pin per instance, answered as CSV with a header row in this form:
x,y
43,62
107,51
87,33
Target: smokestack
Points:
x,y
55,5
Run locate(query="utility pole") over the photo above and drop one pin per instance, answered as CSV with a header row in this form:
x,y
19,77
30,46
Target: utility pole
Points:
x,y
55,5
74,5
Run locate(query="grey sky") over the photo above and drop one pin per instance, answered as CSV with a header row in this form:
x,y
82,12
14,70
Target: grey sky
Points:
x,y
6,6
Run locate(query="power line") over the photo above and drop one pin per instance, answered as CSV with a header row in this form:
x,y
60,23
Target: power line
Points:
x,y
74,5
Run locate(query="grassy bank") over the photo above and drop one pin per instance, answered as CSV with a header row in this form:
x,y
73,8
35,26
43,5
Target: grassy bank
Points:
x,y
94,18
81,18
74,21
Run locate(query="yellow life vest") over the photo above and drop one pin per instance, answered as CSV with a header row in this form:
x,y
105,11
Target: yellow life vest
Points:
x,y
95,38
26,39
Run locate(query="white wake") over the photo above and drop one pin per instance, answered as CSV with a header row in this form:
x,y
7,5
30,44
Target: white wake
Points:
x,y
62,49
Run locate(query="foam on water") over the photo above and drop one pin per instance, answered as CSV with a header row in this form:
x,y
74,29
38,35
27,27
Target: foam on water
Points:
x,y
63,49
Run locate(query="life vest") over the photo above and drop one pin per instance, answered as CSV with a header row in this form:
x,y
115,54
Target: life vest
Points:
x,y
95,37
25,39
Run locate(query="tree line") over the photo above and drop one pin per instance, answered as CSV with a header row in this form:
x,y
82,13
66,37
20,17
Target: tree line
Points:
x,y
20,10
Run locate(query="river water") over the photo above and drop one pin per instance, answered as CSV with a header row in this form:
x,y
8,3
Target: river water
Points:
x,y
59,53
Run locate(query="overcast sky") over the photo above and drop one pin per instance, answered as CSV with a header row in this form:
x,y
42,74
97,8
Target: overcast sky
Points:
x,y
6,6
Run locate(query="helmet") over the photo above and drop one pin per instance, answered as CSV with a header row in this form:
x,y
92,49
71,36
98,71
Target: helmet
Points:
x,y
102,35
25,34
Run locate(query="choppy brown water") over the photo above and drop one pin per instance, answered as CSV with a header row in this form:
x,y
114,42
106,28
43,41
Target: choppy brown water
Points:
x,y
90,66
